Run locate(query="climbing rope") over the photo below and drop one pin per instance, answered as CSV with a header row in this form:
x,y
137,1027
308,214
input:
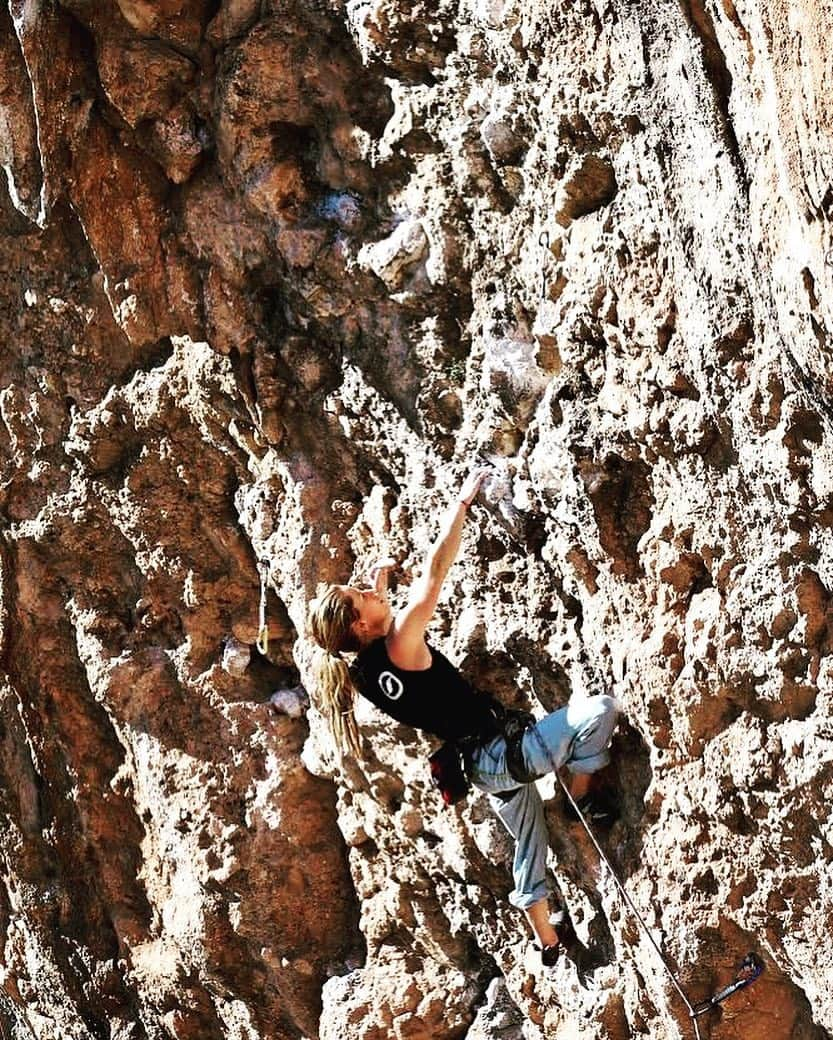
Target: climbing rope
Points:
x,y
263,627
634,911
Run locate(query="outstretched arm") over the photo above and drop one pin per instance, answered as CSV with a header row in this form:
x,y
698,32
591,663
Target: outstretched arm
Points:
x,y
406,639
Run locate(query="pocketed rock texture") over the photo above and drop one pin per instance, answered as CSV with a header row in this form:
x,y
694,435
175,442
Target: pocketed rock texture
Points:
x,y
273,275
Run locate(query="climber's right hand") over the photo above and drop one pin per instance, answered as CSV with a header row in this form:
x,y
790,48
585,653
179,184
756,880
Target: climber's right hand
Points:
x,y
378,574
471,485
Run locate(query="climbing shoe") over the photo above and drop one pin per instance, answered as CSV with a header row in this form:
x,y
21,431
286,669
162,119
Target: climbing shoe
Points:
x,y
597,807
560,920
567,938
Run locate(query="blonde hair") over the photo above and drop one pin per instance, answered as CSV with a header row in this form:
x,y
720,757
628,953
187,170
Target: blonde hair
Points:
x,y
331,618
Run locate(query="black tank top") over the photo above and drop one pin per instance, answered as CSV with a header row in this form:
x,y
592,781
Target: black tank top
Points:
x,y
437,699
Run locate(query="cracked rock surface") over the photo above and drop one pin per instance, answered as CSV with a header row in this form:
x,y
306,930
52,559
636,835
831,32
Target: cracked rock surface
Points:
x,y
273,275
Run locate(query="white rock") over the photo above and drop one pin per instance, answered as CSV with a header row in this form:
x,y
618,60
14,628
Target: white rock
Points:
x,y
292,702
499,137
496,14
511,364
547,321
236,657
498,1017
389,258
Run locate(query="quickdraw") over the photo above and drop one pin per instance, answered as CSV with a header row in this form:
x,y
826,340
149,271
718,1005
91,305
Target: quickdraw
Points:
x,y
750,968
544,240
263,627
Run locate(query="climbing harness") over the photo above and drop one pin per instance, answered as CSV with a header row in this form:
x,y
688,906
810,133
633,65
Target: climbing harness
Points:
x,y
749,970
263,627
515,725
544,240
451,764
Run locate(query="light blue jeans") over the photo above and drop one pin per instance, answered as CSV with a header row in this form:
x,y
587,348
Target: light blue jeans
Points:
x,y
576,736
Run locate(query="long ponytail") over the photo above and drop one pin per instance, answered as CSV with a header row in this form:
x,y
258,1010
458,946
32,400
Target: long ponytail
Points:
x,y
331,618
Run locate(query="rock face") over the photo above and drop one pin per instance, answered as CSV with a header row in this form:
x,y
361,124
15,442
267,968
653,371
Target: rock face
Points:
x,y
273,273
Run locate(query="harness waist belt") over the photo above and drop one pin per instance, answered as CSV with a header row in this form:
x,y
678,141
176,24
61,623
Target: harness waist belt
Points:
x,y
511,725
514,727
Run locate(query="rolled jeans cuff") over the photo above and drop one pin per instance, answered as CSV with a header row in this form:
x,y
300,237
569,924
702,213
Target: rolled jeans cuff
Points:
x,y
524,900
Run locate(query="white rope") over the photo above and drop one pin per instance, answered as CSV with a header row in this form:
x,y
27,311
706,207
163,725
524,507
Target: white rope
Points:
x,y
635,912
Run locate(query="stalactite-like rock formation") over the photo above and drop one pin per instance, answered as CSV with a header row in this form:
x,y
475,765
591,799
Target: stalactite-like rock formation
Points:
x,y
273,274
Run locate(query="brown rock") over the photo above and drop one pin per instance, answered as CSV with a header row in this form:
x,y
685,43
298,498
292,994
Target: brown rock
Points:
x,y
175,141
18,131
177,22
233,19
590,185
118,198
125,62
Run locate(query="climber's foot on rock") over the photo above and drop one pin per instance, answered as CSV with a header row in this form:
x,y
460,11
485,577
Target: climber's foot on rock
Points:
x,y
597,807
551,955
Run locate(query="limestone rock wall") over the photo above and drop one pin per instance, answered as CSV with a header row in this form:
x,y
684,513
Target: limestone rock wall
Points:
x,y
273,274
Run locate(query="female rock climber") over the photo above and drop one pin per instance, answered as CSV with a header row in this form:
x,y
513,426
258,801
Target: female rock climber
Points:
x,y
400,672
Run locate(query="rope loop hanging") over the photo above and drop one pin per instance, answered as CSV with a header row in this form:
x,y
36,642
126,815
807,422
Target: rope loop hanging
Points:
x,y
263,626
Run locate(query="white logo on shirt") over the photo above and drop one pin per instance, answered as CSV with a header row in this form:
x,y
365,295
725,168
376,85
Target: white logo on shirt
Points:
x,y
391,686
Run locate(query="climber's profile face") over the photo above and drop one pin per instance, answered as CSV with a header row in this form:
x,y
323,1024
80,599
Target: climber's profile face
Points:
x,y
373,612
